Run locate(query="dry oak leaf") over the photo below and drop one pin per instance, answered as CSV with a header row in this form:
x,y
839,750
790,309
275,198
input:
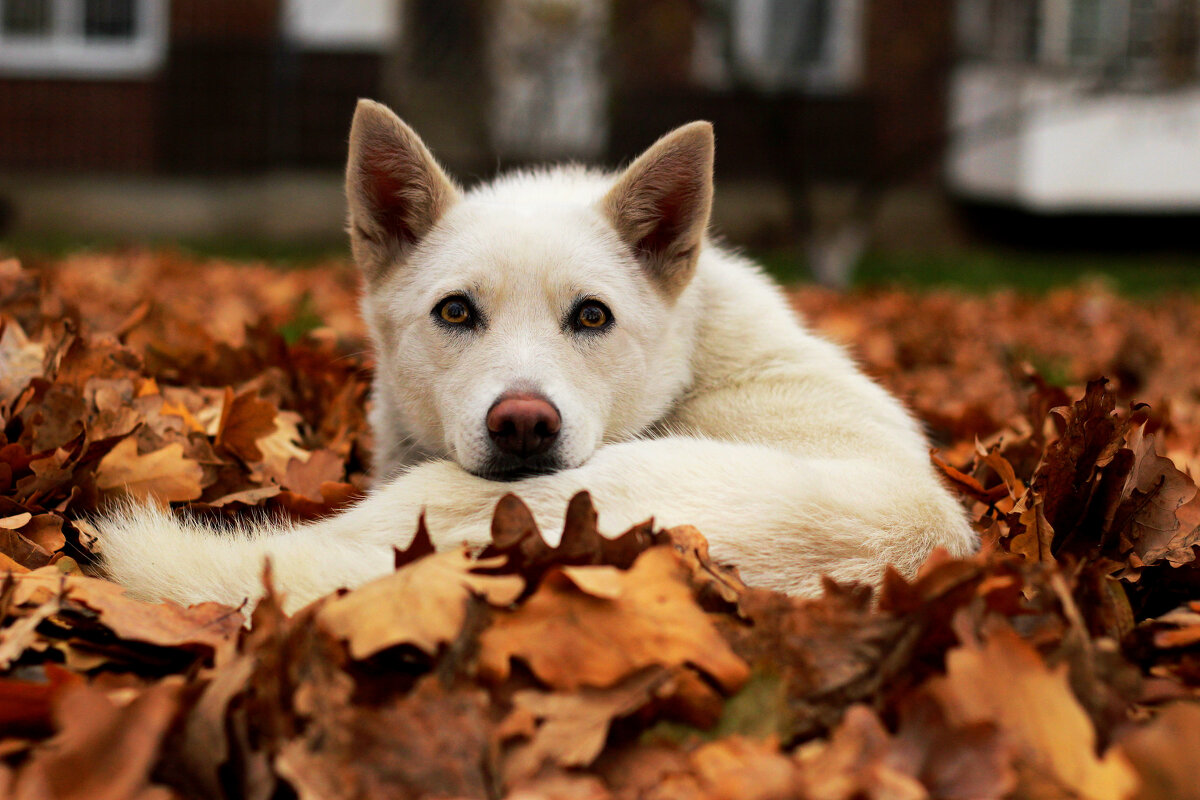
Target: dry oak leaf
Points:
x,y
244,420
16,521
423,604
431,742
855,763
572,727
953,763
1005,682
1163,753
103,751
1154,491
516,536
571,638
203,627
20,359
737,768
712,580
1036,537
306,478
164,475
45,530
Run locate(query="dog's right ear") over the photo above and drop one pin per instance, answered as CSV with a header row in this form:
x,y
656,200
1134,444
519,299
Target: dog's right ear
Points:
x,y
395,189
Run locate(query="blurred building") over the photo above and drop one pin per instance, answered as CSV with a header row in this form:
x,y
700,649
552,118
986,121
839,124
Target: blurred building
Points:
x,y
184,86
1077,106
234,85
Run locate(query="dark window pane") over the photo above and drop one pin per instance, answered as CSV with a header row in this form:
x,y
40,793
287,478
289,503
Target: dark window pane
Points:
x,y
108,18
26,17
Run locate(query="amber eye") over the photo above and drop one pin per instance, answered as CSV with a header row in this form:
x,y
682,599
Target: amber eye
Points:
x,y
454,311
592,315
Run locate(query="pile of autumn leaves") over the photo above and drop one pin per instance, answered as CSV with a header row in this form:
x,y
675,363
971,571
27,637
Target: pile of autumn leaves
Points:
x,y
1063,661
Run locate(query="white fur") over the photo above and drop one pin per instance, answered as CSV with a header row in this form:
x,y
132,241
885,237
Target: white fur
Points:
x,y
712,407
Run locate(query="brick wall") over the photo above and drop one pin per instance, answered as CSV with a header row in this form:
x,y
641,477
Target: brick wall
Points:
x,y
77,125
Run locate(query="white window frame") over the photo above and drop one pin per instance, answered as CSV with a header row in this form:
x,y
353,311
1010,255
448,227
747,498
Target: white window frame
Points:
x,y
366,26
64,52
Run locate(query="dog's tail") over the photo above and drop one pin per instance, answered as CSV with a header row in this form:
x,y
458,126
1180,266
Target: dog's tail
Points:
x,y
168,558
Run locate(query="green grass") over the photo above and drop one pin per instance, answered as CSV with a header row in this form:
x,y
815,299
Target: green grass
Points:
x,y
987,270
975,270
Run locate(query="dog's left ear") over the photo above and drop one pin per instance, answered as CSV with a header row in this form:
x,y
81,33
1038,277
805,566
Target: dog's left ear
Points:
x,y
660,205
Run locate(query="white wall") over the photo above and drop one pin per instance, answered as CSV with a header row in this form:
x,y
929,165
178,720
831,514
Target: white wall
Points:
x,y
1044,143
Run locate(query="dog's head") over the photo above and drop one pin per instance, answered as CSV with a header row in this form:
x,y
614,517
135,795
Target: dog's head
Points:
x,y
521,324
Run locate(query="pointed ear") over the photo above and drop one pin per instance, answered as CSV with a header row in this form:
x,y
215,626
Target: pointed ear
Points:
x,y
660,205
395,189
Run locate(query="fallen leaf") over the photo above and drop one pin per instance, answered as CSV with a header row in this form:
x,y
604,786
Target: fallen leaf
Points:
x,y
244,420
570,728
423,604
429,743
1161,753
103,751
572,639
164,475
1004,682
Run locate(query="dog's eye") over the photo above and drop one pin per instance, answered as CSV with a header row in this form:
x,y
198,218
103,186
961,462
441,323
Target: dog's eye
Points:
x,y
591,315
454,310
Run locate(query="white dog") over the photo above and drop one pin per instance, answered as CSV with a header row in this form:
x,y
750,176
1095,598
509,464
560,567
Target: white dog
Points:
x,y
565,329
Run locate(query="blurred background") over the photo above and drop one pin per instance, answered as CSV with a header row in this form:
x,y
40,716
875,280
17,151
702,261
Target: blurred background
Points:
x,y
972,142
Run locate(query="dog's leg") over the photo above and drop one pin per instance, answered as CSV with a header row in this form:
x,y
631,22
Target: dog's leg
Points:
x,y
783,519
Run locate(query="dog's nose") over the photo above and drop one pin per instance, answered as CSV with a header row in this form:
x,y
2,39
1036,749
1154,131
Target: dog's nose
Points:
x,y
523,424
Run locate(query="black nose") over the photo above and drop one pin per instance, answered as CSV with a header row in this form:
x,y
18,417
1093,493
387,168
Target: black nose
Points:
x,y
523,424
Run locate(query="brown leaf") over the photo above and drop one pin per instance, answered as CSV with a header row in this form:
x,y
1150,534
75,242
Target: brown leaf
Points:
x,y
307,477
1162,751
103,751
244,420
570,728
1004,682
27,707
206,628
830,652
967,484
164,475
423,604
45,530
429,743
714,582
992,458
515,535
1154,492
855,764
1033,537
17,637
972,762
572,639
1091,436
735,768
16,521
24,552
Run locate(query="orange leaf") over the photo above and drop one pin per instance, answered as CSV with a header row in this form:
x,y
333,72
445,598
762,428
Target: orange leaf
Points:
x,y
164,474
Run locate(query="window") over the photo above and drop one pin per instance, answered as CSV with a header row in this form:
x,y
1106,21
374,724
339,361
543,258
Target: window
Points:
x,y
82,38
999,30
773,45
